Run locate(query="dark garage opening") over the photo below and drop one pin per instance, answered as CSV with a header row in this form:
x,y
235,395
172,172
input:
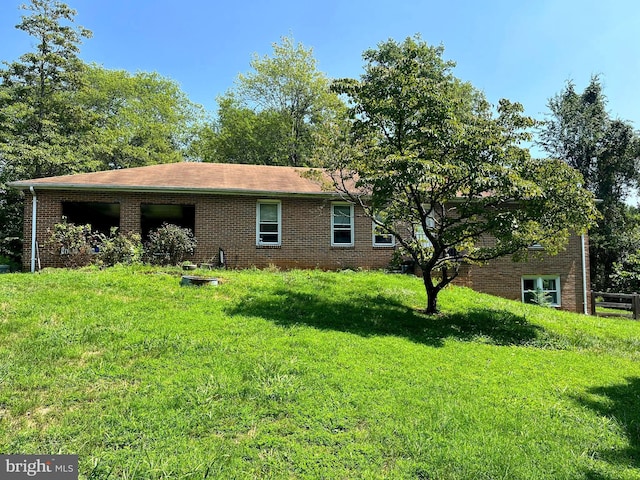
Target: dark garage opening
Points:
x,y
101,216
154,215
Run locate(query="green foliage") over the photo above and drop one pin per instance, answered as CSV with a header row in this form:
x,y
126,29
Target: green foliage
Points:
x,y
434,165
580,131
60,116
243,135
43,129
541,298
169,245
78,246
310,374
75,245
273,114
11,212
143,118
120,248
626,274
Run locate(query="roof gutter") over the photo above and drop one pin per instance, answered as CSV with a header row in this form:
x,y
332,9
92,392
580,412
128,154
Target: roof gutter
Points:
x,y
34,228
152,189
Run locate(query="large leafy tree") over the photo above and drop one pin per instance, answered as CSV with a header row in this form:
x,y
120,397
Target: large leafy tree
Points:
x,y
243,135
59,115
42,129
625,276
434,166
272,114
141,118
580,131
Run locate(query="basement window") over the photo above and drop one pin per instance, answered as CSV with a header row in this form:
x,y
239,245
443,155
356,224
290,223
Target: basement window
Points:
x,y
101,216
153,215
545,288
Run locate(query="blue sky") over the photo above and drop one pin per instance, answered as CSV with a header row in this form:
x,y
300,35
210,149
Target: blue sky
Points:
x,y
522,50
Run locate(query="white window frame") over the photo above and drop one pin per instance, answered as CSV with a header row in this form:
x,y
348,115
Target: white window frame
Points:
x,y
341,227
375,233
259,241
539,284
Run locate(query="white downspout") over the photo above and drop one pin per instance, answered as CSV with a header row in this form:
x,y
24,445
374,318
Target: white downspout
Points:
x,y
34,210
584,276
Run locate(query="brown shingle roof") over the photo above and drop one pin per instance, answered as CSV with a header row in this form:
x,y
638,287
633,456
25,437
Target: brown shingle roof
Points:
x,y
192,177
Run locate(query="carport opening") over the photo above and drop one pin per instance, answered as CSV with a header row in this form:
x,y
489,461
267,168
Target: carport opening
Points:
x,y
101,216
153,215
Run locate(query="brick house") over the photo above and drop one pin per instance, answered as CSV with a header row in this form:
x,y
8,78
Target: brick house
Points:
x,y
263,215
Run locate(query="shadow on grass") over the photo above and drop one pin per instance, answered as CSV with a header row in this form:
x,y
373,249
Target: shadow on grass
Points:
x,y
377,315
620,404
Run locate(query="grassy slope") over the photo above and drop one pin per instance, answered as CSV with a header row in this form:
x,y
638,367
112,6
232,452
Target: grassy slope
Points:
x,y
310,375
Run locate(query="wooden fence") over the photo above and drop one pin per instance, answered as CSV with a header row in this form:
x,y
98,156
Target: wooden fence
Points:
x,y
615,304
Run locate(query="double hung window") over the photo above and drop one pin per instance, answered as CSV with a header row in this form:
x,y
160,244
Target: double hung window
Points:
x,y
342,225
380,237
268,223
420,236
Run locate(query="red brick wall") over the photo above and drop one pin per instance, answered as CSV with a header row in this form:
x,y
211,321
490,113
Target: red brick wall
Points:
x,y
229,222
502,277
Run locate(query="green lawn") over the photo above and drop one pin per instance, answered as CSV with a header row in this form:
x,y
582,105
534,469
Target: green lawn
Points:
x,y
307,374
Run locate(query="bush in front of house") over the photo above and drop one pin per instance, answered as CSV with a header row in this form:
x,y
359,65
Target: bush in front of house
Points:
x,y
79,245
169,245
11,252
120,248
76,245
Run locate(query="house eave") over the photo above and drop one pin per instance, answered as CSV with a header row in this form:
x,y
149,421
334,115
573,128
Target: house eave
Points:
x,y
22,185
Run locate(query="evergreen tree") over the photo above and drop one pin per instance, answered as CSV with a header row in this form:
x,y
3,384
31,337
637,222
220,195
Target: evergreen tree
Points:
x,y
580,131
42,129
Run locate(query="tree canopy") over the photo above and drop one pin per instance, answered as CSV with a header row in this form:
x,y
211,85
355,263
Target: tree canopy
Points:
x,y
272,114
580,131
141,119
59,115
41,126
243,135
42,129
434,165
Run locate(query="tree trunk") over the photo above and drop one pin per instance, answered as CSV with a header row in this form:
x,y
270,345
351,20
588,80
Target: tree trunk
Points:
x,y
432,295
432,303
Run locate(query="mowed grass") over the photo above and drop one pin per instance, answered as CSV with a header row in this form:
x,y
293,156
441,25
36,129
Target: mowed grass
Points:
x,y
306,374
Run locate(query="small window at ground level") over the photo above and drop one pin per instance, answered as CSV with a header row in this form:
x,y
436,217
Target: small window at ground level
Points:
x,y
153,215
101,216
342,225
541,290
268,223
